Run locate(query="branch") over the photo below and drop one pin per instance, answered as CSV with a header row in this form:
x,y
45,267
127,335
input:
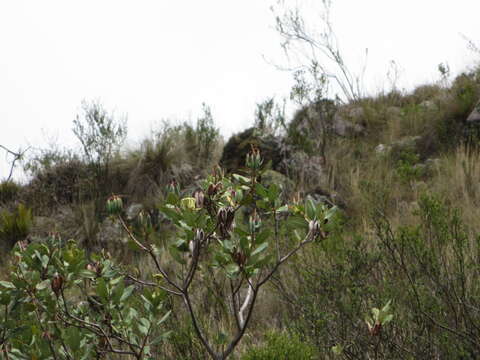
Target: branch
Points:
x,y
17,156
245,304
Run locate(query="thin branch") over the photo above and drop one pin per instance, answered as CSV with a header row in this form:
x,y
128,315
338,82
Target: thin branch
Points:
x,y
17,156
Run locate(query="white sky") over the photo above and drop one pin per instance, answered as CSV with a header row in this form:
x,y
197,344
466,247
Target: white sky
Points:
x,y
161,59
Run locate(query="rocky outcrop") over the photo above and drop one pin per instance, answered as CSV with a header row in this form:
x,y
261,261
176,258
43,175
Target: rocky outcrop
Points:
x,y
238,146
474,117
348,121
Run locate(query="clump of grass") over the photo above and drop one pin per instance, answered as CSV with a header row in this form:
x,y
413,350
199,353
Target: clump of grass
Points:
x,y
9,191
15,225
281,346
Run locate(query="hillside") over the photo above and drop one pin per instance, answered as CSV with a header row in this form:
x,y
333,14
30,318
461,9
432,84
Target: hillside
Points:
x,y
401,168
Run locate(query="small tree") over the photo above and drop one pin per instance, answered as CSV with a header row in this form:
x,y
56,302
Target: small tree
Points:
x,y
100,134
211,243
316,49
270,117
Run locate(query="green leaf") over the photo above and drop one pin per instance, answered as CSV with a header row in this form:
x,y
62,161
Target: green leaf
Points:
x,y
145,322
7,284
241,178
126,293
260,248
387,319
232,270
244,243
165,317
43,285
227,245
273,192
310,209
261,190
101,289
263,235
160,338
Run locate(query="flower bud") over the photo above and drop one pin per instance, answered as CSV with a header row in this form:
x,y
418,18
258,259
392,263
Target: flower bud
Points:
x,y
314,228
187,203
144,220
199,235
114,205
239,257
254,222
173,187
212,190
95,267
57,284
225,218
199,199
254,160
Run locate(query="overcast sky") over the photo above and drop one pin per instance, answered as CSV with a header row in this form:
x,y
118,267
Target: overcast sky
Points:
x,y
161,59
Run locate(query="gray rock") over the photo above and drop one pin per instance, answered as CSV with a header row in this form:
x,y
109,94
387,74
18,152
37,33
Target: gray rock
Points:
x,y
393,112
320,195
428,105
346,121
133,211
474,116
306,170
409,142
382,149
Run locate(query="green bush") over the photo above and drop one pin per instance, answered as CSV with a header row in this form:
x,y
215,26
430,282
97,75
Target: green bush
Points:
x,y
58,304
15,225
280,346
8,191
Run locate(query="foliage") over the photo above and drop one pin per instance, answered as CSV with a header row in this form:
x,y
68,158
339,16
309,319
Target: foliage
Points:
x,y
99,132
270,118
317,49
58,305
407,166
15,225
9,190
202,140
280,346
209,240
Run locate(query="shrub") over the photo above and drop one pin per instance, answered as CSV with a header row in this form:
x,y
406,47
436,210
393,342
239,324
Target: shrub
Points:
x,y
9,190
201,141
59,305
241,256
66,181
15,225
280,346
100,134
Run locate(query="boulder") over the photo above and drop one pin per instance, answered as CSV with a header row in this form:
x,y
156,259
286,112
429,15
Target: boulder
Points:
x,y
306,170
383,149
133,210
347,121
308,124
428,105
320,195
239,145
474,117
